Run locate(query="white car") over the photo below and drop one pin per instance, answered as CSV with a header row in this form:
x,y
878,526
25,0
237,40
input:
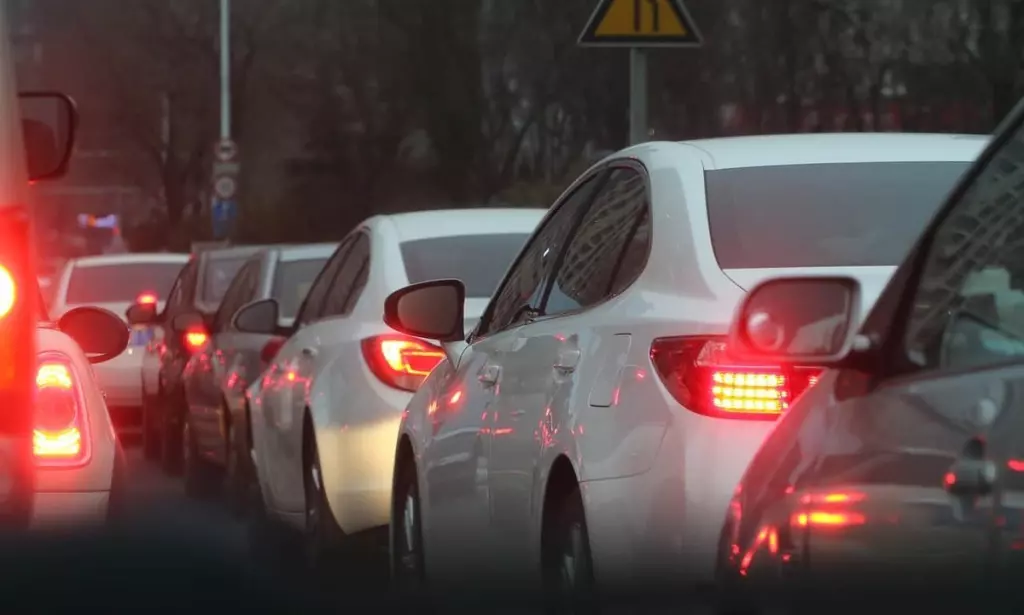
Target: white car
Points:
x,y
79,462
325,413
592,428
114,282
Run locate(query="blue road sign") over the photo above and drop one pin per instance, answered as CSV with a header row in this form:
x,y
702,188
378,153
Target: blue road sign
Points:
x,y
223,214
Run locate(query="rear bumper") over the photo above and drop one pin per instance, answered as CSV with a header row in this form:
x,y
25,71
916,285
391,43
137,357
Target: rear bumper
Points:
x,y
62,509
121,379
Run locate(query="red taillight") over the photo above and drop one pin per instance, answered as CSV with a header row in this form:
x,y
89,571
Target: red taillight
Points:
x,y
59,437
400,361
195,339
271,348
8,291
700,376
146,299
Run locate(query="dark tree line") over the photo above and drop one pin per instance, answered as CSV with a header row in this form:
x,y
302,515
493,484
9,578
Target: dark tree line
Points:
x,y
345,108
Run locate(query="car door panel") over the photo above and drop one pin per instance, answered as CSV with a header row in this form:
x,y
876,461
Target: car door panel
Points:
x,y
875,501
455,465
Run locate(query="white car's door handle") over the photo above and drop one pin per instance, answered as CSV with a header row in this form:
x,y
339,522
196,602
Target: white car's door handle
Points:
x,y
517,413
489,374
567,360
309,352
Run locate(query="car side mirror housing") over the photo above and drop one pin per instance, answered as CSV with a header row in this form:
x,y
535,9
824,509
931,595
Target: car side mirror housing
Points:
x,y
260,316
797,320
49,121
100,333
141,314
431,310
188,321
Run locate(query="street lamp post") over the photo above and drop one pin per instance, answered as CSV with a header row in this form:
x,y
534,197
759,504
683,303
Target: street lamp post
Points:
x,y
225,70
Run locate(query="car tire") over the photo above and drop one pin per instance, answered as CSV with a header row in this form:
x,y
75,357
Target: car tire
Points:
x,y
567,566
171,436
238,473
202,479
408,564
150,433
321,535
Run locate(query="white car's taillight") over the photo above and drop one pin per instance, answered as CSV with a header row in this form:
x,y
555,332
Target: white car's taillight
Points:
x,y
61,437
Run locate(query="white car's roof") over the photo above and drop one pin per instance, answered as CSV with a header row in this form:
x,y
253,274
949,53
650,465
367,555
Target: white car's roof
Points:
x,y
823,148
307,251
134,257
449,222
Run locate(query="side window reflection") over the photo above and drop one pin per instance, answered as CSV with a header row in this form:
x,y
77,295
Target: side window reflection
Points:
x,y
969,308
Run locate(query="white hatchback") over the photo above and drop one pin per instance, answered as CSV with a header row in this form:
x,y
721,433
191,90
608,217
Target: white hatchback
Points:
x,y
593,428
325,413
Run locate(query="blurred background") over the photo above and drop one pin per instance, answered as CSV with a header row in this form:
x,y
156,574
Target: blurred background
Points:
x,y
342,109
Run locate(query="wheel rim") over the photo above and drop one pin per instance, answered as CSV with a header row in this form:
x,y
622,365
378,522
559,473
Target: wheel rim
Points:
x,y
408,554
313,499
569,561
186,444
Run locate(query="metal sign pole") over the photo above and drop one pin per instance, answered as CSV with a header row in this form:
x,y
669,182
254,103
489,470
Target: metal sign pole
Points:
x,y
639,25
225,70
638,131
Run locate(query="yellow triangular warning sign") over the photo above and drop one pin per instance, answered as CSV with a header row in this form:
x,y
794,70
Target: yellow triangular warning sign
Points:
x,y
640,23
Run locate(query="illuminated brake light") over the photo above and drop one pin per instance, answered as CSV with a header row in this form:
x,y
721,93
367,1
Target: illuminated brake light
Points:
x,y
195,340
60,428
8,291
146,299
400,361
825,518
701,376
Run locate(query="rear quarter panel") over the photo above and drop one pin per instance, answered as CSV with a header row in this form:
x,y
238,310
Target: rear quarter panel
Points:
x,y
97,474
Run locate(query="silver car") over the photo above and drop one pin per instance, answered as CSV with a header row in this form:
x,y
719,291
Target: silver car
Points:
x,y
216,377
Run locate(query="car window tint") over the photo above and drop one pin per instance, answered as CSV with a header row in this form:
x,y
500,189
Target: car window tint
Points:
x,y
218,276
240,292
478,261
590,268
349,282
292,282
119,282
522,287
969,306
312,306
824,215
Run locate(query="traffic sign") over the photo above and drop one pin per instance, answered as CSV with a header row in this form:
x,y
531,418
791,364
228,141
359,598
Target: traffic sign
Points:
x,y
223,213
226,150
225,187
640,23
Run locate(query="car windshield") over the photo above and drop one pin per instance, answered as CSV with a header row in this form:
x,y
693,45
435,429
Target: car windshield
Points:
x,y
120,282
219,273
478,260
292,281
824,215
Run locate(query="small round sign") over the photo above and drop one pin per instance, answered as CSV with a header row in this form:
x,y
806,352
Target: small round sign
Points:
x,y
225,187
226,150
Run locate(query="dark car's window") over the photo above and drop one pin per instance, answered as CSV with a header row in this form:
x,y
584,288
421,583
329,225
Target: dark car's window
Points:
x,y
292,282
240,291
478,260
824,215
968,309
120,283
218,276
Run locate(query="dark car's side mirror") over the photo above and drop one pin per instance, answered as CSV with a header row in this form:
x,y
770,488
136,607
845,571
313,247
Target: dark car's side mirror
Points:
x,y
431,310
101,334
49,121
798,319
141,314
259,316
